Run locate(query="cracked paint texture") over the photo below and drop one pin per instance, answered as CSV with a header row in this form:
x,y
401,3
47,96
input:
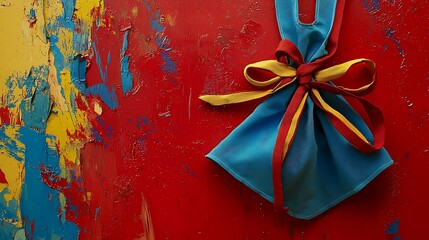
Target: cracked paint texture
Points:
x,y
50,140
102,135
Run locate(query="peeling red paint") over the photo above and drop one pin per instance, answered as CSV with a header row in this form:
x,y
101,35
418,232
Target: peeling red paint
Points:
x,y
4,115
2,177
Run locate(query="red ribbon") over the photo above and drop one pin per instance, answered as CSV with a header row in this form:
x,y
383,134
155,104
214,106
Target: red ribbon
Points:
x,y
304,76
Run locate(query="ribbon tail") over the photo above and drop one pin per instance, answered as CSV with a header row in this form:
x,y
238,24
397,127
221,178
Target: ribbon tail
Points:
x,y
374,120
287,131
218,100
347,129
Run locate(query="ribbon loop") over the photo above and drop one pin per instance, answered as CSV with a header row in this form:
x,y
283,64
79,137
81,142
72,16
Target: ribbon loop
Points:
x,y
335,72
280,70
287,49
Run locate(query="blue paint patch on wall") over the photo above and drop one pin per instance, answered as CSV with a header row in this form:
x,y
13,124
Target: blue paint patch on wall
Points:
x,y
9,145
78,72
58,59
107,129
142,121
390,34
69,9
393,229
41,209
169,64
10,98
77,64
7,230
162,41
187,170
106,93
36,107
371,6
9,209
126,77
32,13
101,68
97,137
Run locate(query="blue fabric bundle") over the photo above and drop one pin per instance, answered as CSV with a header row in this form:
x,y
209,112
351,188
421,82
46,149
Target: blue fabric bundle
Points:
x,y
321,168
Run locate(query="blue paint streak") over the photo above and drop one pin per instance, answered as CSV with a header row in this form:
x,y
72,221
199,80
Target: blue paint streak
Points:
x,y
142,121
97,211
390,34
32,13
78,72
107,95
9,210
393,228
73,102
58,59
106,128
126,77
10,98
155,23
68,6
366,5
187,169
101,68
376,5
169,63
102,90
10,145
125,43
79,44
162,42
96,136
7,230
373,7
35,108
40,204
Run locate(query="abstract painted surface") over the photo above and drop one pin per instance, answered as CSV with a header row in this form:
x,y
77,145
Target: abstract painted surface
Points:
x,y
102,135
61,177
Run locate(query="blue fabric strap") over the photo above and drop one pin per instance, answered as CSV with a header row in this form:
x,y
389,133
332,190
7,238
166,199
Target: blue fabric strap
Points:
x,y
311,39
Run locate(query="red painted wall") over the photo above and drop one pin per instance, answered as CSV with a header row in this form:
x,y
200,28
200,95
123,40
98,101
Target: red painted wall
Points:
x,y
155,141
190,197
142,174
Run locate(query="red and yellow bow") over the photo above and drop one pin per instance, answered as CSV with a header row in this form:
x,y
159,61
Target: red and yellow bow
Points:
x,y
310,83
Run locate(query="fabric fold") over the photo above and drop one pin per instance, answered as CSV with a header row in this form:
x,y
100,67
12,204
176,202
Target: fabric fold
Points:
x,y
323,161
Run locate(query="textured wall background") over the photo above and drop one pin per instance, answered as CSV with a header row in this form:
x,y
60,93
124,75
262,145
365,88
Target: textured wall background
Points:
x,y
102,135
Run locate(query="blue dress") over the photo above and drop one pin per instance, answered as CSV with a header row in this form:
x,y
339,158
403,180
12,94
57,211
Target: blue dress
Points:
x,y
321,167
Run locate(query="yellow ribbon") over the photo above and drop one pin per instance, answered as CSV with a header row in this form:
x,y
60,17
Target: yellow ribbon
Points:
x,y
282,71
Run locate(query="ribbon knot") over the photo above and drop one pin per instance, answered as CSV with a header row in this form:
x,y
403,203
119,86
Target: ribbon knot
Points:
x,y
311,82
303,75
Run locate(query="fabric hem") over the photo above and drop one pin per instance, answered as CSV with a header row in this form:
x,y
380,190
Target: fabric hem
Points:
x,y
239,178
291,213
352,192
